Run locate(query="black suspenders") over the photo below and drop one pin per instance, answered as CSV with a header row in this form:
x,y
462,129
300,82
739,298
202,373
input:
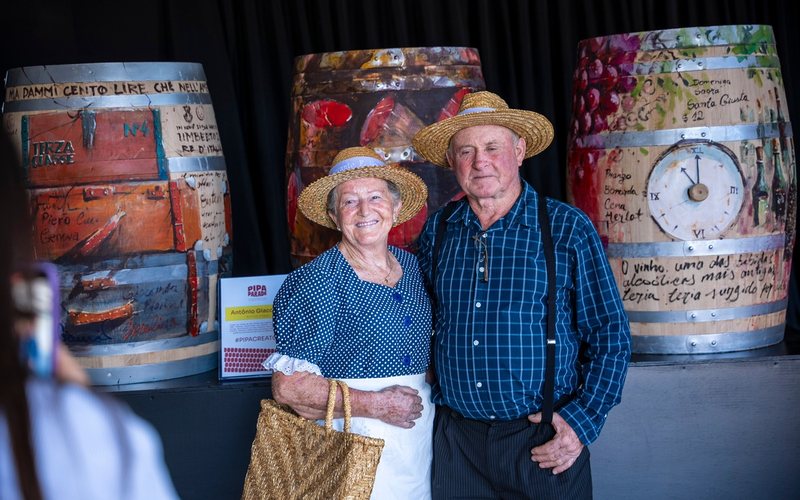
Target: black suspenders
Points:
x,y
446,213
550,264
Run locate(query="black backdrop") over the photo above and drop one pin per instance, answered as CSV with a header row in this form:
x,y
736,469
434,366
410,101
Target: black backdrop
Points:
x,y
247,47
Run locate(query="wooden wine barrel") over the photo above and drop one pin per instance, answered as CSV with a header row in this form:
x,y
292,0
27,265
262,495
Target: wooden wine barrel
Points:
x,y
128,189
681,153
376,98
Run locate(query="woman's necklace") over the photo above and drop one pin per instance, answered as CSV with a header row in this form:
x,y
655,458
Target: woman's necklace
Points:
x,y
366,271
391,268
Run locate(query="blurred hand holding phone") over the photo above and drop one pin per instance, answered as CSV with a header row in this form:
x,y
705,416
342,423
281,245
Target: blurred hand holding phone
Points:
x,y
36,299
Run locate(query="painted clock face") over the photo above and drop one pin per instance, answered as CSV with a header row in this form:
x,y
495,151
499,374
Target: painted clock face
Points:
x,y
695,190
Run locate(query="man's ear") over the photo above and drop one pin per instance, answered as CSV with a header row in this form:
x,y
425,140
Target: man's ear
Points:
x,y
519,150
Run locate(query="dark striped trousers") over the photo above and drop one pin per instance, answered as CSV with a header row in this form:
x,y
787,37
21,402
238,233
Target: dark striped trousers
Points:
x,y
474,459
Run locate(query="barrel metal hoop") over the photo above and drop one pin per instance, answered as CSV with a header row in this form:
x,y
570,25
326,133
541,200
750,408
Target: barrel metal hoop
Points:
x,y
709,63
398,154
696,248
706,36
105,72
386,58
417,82
195,163
153,372
146,346
117,101
707,343
668,137
703,315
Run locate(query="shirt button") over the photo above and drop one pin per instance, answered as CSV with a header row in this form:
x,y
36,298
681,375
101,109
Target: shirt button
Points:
x,y
479,385
477,304
475,342
483,236
480,269
492,417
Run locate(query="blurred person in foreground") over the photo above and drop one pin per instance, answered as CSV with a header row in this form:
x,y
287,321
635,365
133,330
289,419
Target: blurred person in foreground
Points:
x,y
518,403
58,439
359,312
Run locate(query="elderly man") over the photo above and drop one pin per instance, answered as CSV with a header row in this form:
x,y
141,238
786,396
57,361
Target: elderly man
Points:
x,y
521,285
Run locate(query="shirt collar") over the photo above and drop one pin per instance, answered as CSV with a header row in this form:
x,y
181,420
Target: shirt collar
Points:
x,y
523,212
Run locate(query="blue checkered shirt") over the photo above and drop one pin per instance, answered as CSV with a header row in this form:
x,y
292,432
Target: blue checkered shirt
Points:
x,y
491,335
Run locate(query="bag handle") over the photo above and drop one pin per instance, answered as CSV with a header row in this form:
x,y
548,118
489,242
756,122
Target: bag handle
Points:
x,y
332,403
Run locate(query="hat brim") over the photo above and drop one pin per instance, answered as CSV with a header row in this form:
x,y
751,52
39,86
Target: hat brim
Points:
x,y
413,192
432,141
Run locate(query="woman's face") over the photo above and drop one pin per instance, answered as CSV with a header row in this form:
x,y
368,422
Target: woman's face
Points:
x,y
365,211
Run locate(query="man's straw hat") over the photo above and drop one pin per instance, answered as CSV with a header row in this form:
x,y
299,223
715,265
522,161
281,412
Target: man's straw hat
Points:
x,y
358,163
483,108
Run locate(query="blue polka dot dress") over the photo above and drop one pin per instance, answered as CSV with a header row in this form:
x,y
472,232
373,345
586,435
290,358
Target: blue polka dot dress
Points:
x,y
325,314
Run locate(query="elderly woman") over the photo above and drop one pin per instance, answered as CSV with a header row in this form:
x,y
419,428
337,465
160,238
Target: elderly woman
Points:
x,y
360,313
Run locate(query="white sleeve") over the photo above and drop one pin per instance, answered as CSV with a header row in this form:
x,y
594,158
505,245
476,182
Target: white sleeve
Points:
x,y
288,365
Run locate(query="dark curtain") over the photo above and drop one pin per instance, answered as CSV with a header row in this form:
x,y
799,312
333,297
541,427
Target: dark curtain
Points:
x,y
247,47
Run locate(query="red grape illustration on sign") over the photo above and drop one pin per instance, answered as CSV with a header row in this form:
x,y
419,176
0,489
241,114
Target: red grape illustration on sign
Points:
x,y
603,74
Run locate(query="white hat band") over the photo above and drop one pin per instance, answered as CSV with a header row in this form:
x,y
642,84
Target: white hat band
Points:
x,y
475,110
356,162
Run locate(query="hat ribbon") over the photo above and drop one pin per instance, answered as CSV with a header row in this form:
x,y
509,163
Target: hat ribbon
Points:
x,y
356,162
475,110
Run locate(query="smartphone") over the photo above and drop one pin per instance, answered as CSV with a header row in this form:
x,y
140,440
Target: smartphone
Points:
x,y
36,297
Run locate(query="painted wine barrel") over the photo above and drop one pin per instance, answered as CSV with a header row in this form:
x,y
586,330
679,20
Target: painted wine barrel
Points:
x,y
379,99
681,153
128,189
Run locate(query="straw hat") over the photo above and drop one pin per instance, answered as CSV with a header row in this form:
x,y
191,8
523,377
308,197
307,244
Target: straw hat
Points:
x,y
359,163
483,108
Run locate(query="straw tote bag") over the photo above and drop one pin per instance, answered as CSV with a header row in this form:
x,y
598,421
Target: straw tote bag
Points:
x,y
295,458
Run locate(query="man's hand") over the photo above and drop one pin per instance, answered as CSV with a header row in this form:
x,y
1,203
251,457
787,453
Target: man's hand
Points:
x,y
560,452
398,405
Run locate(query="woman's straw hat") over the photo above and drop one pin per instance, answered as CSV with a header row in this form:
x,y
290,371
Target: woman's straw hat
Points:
x,y
483,108
358,163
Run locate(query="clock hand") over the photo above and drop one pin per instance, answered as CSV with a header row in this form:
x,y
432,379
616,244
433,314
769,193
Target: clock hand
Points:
x,y
687,175
697,165
684,202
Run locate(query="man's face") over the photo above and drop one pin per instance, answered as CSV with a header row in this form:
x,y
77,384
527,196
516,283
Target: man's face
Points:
x,y
486,160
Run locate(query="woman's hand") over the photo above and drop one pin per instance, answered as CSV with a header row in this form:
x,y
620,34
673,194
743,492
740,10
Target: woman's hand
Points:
x,y
398,405
307,394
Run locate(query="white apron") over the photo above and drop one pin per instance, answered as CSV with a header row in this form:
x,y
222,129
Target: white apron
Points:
x,y
404,472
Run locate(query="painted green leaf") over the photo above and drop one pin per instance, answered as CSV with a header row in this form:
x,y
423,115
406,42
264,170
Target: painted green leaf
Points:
x,y
638,89
756,76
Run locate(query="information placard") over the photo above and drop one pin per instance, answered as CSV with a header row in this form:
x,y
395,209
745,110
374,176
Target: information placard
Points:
x,y
246,337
